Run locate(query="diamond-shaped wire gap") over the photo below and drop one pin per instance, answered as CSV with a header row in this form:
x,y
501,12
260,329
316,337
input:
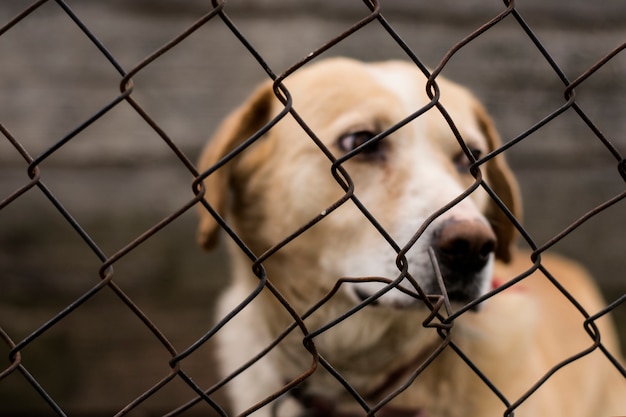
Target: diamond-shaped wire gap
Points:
x,y
56,78
132,31
599,91
119,180
84,362
425,28
277,43
189,89
36,243
21,391
574,39
511,78
166,269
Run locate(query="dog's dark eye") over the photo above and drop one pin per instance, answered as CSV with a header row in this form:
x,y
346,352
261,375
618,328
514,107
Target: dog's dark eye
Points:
x,y
462,162
351,141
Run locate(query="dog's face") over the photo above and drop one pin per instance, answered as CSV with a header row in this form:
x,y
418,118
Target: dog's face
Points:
x,y
284,180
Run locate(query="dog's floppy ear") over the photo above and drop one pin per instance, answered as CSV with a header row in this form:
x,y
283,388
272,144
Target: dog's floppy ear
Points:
x,y
240,125
502,181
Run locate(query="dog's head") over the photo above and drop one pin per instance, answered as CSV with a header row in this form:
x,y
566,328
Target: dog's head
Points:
x,y
283,180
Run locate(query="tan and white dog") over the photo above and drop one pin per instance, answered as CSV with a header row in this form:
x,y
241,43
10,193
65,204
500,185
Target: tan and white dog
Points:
x,y
283,181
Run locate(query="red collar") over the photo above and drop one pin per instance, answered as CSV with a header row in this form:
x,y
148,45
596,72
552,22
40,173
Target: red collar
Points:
x,y
497,282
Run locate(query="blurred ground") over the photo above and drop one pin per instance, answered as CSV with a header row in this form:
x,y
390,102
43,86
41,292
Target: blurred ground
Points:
x,y
118,179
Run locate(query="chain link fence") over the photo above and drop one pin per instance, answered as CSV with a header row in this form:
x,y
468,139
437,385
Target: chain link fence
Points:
x,y
178,378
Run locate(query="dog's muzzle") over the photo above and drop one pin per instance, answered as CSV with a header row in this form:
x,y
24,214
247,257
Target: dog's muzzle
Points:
x,y
463,262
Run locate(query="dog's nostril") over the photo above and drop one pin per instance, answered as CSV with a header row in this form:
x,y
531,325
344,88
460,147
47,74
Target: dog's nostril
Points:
x,y
488,248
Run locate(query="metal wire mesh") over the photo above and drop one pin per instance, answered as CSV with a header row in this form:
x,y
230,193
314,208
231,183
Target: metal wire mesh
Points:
x,y
217,13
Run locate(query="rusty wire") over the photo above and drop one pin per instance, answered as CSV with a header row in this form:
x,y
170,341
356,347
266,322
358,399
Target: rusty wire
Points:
x,y
440,318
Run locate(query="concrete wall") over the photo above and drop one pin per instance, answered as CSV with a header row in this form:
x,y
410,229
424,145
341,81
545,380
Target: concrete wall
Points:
x,y
118,179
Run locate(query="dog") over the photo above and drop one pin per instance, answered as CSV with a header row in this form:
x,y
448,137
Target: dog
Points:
x,y
371,182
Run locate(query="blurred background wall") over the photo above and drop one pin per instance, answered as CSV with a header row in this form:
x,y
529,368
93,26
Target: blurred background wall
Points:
x,y
117,178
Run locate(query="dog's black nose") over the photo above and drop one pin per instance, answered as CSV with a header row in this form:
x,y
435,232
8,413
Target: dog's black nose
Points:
x,y
463,246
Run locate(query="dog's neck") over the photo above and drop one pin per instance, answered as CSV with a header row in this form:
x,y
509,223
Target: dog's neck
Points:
x,y
318,406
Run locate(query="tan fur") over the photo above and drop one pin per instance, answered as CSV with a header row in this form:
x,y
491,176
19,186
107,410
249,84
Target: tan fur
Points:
x,y
283,181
